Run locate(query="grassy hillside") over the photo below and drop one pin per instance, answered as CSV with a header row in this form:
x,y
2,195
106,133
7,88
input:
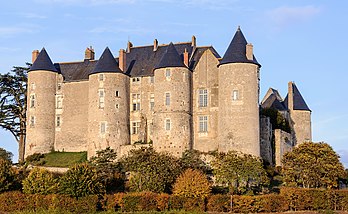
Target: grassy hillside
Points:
x,y
57,159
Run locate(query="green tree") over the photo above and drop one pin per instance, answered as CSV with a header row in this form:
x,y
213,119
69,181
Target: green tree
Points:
x,y
40,181
312,165
109,171
192,184
81,180
150,170
13,105
278,121
240,172
7,175
191,159
5,155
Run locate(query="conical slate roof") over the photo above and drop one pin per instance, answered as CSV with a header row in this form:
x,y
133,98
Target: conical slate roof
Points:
x,y
299,102
171,58
106,63
43,62
236,51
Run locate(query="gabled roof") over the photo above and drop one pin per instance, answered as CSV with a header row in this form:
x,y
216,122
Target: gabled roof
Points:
x,y
106,63
198,54
171,58
43,62
299,102
236,51
273,102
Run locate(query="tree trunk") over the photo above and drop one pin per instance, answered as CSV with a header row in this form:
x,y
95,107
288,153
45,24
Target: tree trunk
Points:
x,y
21,148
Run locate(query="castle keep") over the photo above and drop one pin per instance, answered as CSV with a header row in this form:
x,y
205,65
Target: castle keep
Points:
x,y
177,96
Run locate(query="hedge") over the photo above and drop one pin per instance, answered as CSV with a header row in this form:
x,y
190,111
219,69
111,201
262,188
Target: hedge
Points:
x,y
289,199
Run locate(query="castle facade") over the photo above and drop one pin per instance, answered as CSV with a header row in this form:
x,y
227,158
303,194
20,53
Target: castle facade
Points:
x,y
177,96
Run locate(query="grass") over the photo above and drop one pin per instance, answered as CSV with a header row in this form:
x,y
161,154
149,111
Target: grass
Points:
x,y
64,159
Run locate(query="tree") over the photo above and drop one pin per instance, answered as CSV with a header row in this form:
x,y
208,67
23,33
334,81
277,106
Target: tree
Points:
x,y
7,175
5,155
312,165
81,180
240,172
192,184
13,104
109,171
191,159
40,181
150,170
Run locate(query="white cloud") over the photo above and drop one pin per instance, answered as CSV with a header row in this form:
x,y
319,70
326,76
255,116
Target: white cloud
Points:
x,y
283,16
12,31
91,2
33,16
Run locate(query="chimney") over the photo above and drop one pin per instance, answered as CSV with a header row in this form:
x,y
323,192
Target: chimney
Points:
x,y
155,45
89,53
122,60
249,52
34,55
129,45
193,44
186,58
290,96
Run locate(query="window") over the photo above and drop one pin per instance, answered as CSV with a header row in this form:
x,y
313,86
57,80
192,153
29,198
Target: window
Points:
x,y
167,125
235,95
135,79
101,98
32,86
117,93
152,79
32,121
101,77
58,121
167,99
136,102
152,102
102,127
167,73
203,98
59,86
203,123
117,106
59,102
135,127
32,101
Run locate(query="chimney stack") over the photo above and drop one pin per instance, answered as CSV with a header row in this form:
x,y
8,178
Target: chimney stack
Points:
x,y
155,45
89,53
186,58
129,45
249,52
122,60
193,43
34,55
290,96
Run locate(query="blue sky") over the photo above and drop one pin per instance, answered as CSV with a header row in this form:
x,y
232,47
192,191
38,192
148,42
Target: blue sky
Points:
x,y
294,40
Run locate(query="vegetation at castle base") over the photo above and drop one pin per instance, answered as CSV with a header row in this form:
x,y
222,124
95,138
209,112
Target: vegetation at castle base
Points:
x,y
13,104
40,181
57,159
312,165
278,121
242,173
150,170
7,175
191,159
192,184
5,155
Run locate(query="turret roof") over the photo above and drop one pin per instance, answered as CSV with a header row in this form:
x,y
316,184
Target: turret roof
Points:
x,y
299,102
171,58
273,101
43,62
236,51
106,63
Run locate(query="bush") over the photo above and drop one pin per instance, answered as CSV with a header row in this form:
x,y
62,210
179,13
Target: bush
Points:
x,y
219,203
81,180
192,184
7,176
40,181
36,159
5,155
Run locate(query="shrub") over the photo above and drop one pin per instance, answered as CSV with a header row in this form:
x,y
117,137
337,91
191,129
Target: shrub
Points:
x,y
6,155
7,177
219,203
36,159
192,184
39,181
81,180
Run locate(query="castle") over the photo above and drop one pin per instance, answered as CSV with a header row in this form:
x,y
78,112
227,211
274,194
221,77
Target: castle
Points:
x,y
177,96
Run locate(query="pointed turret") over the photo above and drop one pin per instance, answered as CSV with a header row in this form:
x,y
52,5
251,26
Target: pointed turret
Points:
x,y
106,63
43,62
237,51
298,103
171,58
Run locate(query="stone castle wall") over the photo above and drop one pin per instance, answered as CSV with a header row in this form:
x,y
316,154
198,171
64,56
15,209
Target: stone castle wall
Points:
x,y
283,144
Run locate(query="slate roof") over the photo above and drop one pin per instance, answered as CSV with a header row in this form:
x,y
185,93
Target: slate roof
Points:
x,y
198,54
43,62
236,51
171,58
273,102
106,63
299,102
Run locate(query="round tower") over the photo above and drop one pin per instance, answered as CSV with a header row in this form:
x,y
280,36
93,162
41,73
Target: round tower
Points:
x,y
239,98
108,110
172,109
41,104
